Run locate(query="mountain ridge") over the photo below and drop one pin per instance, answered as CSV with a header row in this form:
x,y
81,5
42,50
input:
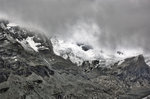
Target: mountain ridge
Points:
x,y
26,73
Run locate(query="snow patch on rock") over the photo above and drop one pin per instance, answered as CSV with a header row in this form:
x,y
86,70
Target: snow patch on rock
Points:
x,y
29,44
11,25
120,62
32,43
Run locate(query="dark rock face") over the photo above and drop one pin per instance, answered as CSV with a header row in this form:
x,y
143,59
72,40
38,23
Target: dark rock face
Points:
x,y
133,68
3,90
42,71
84,47
4,76
29,74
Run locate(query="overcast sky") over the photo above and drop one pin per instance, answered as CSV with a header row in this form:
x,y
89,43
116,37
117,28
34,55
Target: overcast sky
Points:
x,y
121,22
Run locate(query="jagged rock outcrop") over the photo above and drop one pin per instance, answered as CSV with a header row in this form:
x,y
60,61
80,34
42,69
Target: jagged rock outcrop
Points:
x,y
29,69
125,70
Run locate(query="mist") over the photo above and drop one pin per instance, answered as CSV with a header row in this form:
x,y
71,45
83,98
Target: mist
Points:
x,y
105,24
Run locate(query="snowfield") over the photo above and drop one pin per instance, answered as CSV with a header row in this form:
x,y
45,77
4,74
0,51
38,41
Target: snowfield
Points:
x,y
74,52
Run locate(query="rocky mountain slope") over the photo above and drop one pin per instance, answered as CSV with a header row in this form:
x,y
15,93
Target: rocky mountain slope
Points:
x,y
29,69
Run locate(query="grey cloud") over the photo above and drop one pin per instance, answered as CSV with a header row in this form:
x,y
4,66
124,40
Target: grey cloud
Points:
x,y
123,22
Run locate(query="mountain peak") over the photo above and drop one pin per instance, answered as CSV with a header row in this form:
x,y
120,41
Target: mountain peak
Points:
x,y
28,67
140,59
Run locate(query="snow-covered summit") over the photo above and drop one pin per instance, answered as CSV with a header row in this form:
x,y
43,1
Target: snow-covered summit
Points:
x,y
75,52
29,40
83,45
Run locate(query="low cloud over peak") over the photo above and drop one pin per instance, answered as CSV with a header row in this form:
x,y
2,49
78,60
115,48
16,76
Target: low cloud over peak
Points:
x,y
122,23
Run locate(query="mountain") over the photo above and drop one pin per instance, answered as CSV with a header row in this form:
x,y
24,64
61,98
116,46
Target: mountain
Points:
x,y
78,53
30,69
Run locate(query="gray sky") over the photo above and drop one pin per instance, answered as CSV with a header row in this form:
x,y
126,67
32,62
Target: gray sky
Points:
x,y
124,23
